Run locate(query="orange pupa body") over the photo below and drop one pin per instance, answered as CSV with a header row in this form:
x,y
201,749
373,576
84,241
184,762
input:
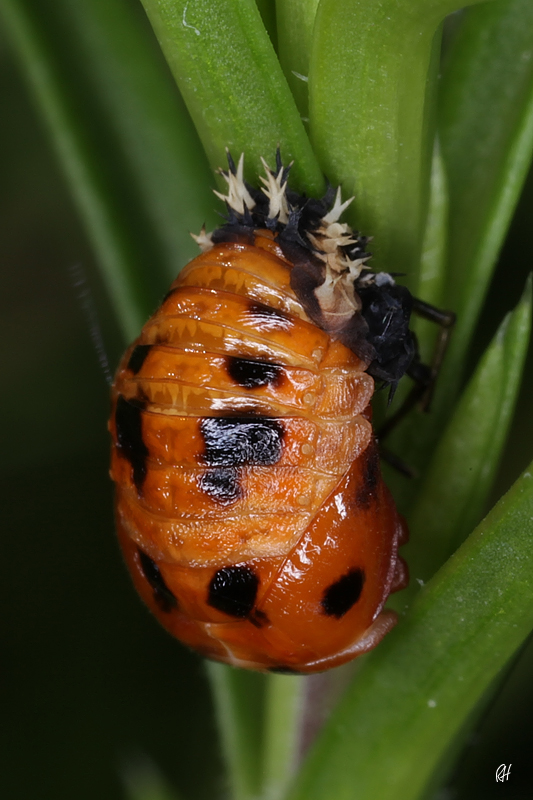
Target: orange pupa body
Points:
x,y
250,505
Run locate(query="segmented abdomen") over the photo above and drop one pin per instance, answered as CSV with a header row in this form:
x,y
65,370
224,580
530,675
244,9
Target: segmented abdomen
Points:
x,y
235,422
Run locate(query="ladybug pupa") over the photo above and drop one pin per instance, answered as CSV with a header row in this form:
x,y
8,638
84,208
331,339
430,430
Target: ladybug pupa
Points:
x,y
250,505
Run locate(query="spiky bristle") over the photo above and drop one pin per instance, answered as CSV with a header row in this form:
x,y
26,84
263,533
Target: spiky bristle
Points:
x,y
238,197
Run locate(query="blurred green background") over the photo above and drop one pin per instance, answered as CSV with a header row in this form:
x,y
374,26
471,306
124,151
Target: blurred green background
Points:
x,y
90,684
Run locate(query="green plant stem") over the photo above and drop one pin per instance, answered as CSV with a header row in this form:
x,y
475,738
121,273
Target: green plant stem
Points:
x,y
372,122
283,718
390,732
239,697
232,83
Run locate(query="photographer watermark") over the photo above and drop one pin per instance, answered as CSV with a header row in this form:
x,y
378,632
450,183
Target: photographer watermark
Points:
x,y
503,772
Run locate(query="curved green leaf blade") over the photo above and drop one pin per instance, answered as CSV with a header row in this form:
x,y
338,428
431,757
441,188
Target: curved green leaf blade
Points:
x,y
149,124
486,136
121,132
373,68
431,282
415,692
267,9
433,259
232,83
296,19
461,473
486,130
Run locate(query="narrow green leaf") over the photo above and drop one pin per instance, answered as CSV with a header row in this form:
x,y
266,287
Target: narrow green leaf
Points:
x,y
414,693
283,718
267,9
455,489
486,129
296,19
232,83
431,282
239,702
372,77
433,260
90,186
124,139
149,122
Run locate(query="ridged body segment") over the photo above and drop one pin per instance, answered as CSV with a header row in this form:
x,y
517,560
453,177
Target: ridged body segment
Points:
x,y
246,471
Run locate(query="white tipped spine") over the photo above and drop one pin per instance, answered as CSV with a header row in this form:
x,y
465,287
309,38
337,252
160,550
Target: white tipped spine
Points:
x,y
238,197
338,209
275,188
203,240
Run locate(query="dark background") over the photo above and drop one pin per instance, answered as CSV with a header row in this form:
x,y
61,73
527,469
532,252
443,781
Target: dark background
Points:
x,y
90,684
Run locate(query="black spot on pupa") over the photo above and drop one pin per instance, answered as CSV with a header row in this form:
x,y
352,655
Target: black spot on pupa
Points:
x,y
236,441
281,670
370,477
162,594
339,598
221,484
249,374
267,312
233,590
128,419
138,357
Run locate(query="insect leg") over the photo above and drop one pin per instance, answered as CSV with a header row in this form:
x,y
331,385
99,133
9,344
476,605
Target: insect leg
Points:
x,y
445,320
423,375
